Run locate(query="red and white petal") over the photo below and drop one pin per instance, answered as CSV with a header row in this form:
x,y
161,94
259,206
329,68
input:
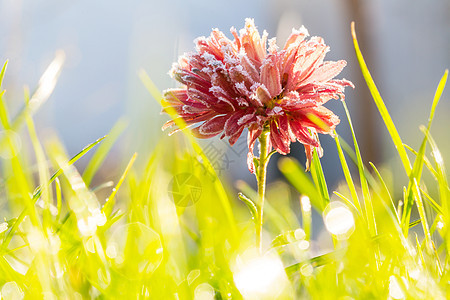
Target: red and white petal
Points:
x,y
213,126
279,142
326,116
270,76
326,71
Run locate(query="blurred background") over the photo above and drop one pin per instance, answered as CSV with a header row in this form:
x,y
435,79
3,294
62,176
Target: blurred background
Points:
x,y
406,45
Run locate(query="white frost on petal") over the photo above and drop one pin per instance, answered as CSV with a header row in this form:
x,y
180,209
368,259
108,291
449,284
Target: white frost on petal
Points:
x,y
230,59
245,119
212,61
277,109
273,48
301,30
241,88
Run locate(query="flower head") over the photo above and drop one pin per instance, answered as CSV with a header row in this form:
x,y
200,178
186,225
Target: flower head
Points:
x,y
249,82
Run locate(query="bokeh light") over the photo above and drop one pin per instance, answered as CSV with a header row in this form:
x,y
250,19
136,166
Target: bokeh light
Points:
x,y
339,220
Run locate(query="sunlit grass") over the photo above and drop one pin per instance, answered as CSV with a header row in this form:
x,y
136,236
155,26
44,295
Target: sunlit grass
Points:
x,y
173,230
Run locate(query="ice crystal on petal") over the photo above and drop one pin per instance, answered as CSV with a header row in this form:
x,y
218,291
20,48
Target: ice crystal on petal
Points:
x,y
250,82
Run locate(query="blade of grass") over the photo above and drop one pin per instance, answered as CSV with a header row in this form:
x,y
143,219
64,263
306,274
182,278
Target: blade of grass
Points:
x,y
416,172
296,175
319,178
250,204
2,73
4,115
107,208
391,202
368,207
432,203
380,105
444,191
423,216
45,88
272,213
102,151
42,169
349,203
38,192
426,161
77,156
347,175
58,198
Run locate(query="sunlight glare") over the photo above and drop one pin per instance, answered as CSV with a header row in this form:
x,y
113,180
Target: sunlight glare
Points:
x,y
339,220
260,276
3,227
11,290
395,291
306,203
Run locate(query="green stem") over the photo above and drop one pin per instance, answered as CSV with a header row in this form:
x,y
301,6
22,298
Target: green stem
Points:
x,y
261,178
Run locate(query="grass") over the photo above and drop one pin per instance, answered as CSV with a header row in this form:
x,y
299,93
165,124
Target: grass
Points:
x,y
173,230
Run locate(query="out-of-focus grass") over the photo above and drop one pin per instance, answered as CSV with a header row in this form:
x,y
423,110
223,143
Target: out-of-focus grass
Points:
x,y
172,230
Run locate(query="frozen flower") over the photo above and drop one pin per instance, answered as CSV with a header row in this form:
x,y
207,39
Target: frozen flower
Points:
x,y
249,82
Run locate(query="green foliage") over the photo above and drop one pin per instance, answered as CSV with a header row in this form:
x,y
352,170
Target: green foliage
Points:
x,y
172,229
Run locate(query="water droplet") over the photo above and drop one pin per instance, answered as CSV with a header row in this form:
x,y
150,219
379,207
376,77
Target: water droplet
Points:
x,y
204,292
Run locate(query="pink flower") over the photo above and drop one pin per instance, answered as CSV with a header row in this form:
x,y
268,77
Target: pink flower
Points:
x,y
230,85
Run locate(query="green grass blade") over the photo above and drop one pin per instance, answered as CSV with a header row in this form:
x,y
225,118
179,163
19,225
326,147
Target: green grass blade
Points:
x,y
58,193
422,214
368,207
347,175
425,160
42,169
386,190
77,156
416,172
38,192
381,106
437,96
432,202
4,115
444,190
250,204
273,215
2,73
107,208
296,175
45,88
102,151
349,203
319,178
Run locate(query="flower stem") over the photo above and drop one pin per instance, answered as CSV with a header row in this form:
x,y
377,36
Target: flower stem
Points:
x,y
261,178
